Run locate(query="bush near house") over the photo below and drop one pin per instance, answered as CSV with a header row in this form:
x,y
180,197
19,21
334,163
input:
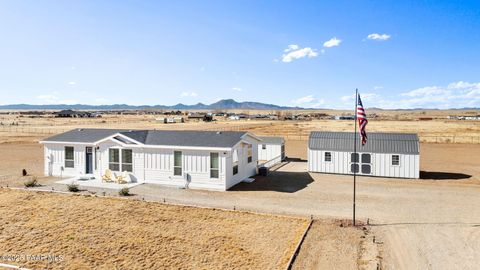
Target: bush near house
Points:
x,y
32,182
73,188
124,192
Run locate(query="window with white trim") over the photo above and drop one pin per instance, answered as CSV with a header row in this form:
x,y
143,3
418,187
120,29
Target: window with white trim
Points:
x,y
214,165
264,146
114,159
328,156
127,160
235,169
69,157
395,160
249,153
177,163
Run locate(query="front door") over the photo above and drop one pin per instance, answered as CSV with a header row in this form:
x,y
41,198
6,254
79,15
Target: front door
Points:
x,y
88,160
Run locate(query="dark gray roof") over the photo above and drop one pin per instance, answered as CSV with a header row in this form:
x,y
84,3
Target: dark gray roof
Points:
x,y
84,135
155,137
394,143
272,140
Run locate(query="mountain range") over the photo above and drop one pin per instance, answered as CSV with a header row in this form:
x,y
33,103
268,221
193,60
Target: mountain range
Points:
x,y
227,104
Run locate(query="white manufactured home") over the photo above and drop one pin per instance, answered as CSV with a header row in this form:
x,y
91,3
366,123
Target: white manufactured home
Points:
x,y
197,159
271,150
384,154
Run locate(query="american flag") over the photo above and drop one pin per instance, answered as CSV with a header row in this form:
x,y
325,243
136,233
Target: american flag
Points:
x,y
362,120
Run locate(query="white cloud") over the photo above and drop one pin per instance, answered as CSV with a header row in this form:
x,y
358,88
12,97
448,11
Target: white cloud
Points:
x,y
238,89
303,100
308,102
100,100
332,42
294,52
455,95
377,87
188,94
72,83
350,99
54,99
376,36
48,98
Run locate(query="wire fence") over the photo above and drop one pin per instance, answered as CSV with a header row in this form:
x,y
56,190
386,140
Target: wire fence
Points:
x,y
265,131
32,130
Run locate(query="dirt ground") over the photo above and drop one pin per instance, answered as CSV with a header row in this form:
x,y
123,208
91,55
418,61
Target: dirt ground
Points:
x,y
329,246
104,233
432,223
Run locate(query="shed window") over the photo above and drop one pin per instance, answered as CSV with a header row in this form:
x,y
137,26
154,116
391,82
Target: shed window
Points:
x,y
249,152
366,158
354,158
264,146
395,160
69,157
235,169
366,169
328,156
114,159
354,168
177,163
214,165
127,160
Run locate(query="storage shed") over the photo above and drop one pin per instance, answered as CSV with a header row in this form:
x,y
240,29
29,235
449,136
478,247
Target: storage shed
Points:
x,y
385,154
271,150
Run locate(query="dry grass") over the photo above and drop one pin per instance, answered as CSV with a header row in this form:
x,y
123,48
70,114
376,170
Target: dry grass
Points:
x,y
394,121
106,233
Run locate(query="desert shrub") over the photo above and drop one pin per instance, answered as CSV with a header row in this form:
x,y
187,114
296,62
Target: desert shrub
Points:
x,y
73,188
124,192
31,182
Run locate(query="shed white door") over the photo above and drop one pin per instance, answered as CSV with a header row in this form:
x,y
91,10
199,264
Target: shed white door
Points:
x,y
361,163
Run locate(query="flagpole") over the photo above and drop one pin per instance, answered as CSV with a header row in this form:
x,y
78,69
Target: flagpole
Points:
x,y
355,155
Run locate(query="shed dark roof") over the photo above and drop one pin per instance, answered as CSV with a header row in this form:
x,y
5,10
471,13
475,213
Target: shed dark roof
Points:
x,y
391,143
272,140
155,137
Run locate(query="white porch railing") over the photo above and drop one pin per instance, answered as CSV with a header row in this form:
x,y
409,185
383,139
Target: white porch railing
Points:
x,y
271,162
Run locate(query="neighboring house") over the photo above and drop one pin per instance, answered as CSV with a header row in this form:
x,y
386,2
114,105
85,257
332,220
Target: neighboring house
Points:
x,y
72,114
271,150
384,154
344,117
170,120
204,159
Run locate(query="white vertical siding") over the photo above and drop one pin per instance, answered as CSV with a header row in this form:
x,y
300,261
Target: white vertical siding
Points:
x,y
195,166
245,169
155,165
381,164
55,160
272,151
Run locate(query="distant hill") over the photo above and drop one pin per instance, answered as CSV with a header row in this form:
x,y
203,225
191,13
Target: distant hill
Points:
x,y
226,104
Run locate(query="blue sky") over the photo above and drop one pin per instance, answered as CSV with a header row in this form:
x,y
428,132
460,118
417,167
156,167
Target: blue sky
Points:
x,y
399,54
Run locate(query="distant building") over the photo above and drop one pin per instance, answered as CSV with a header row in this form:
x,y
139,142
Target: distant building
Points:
x,y
464,117
344,117
74,114
385,154
170,120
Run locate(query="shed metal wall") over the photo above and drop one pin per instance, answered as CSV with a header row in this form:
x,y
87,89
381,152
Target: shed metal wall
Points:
x,y
381,164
